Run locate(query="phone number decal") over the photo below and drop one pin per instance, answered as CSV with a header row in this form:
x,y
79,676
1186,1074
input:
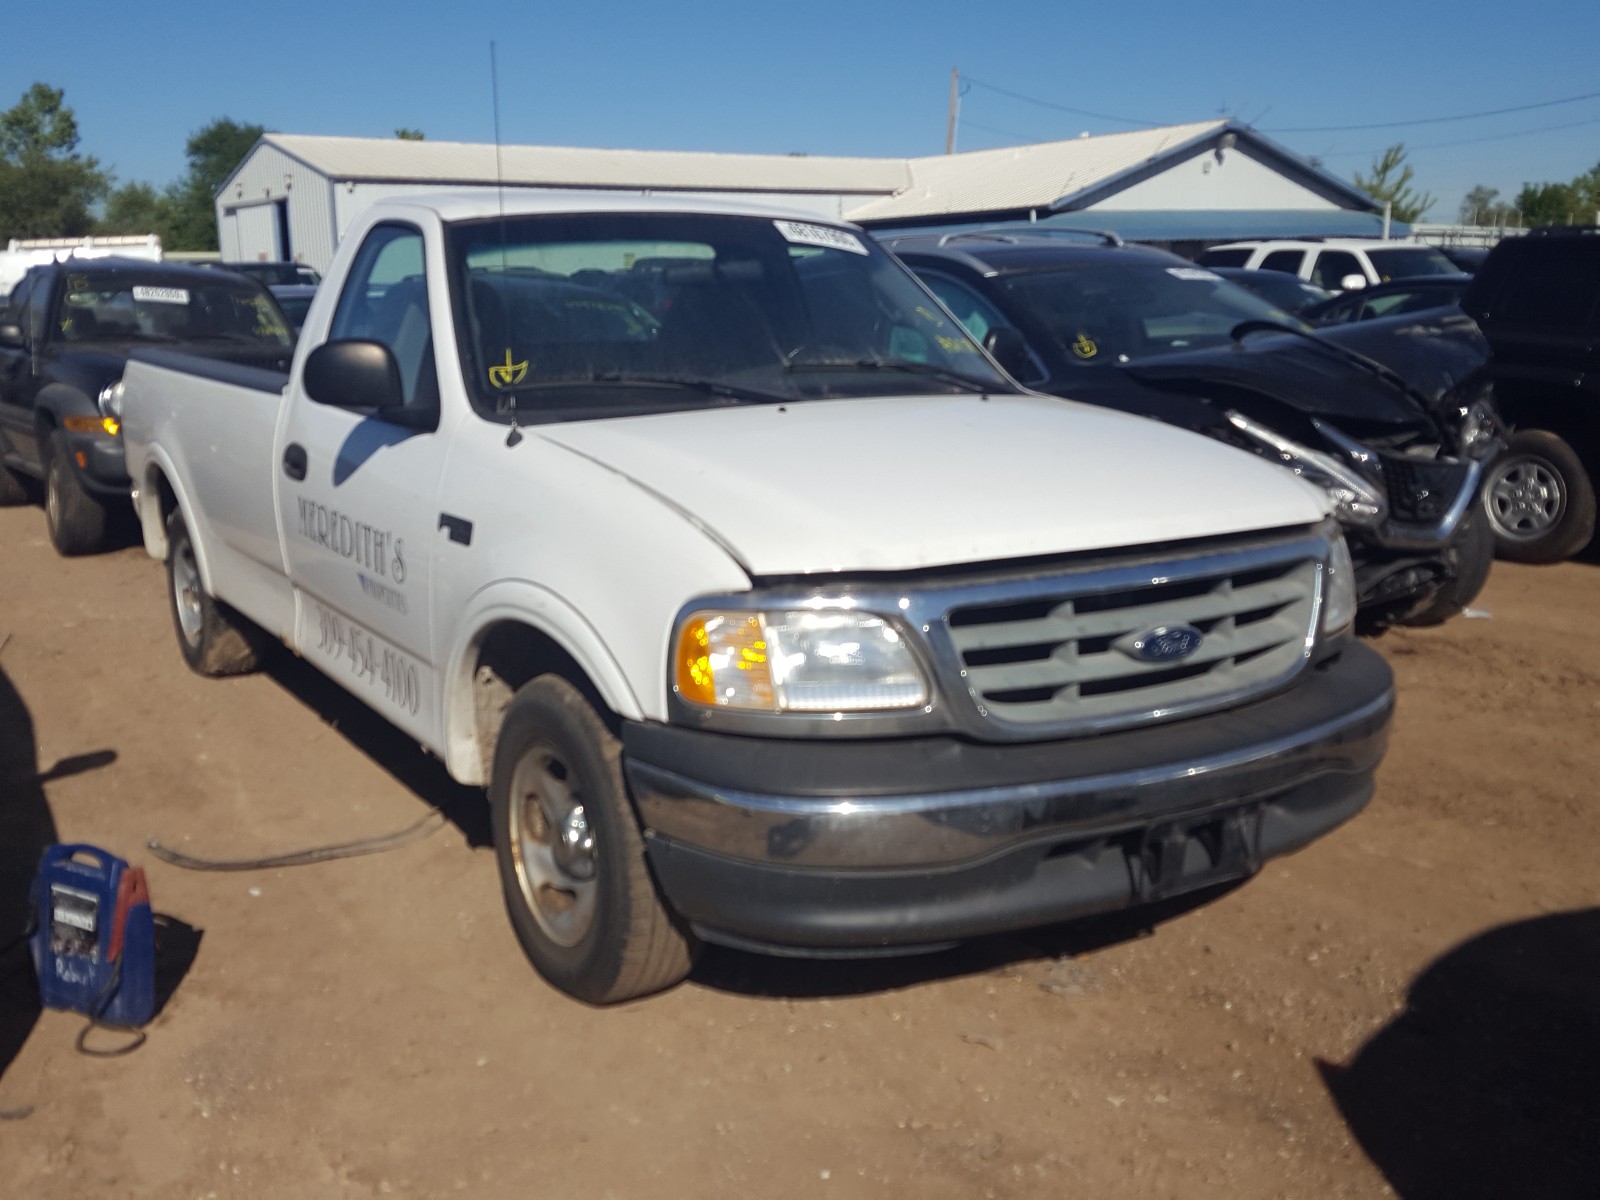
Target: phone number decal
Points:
x,y
368,659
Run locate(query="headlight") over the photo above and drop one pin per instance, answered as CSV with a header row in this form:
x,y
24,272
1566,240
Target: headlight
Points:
x,y
1479,429
1356,500
806,661
110,401
1338,587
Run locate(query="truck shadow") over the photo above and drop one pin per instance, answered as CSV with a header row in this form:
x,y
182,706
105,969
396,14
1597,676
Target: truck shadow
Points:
x,y
1485,1086
772,977
26,828
386,745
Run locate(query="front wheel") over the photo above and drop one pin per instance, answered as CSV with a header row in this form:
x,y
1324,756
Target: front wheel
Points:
x,y
75,519
1539,498
572,863
214,640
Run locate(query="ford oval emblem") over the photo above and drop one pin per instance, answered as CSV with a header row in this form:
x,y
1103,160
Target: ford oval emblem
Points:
x,y
1164,644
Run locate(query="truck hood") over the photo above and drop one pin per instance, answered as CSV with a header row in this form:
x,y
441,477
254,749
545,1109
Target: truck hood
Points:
x,y
902,482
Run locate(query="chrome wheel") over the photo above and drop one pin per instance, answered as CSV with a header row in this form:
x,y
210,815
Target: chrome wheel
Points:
x,y
52,500
186,592
1524,497
553,845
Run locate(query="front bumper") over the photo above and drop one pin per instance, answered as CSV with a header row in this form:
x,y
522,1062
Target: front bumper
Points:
x,y
833,846
104,470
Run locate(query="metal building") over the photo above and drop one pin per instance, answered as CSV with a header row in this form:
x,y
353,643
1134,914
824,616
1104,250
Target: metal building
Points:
x,y
293,196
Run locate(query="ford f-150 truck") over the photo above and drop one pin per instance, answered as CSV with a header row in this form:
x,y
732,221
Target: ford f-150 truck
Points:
x,y
767,608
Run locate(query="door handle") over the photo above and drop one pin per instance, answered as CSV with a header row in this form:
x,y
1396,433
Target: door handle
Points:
x,y
294,461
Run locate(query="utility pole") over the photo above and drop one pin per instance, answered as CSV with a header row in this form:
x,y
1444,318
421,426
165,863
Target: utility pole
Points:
x,y
955,102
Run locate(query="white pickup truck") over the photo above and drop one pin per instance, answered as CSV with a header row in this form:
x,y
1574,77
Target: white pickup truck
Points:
x,y
769,610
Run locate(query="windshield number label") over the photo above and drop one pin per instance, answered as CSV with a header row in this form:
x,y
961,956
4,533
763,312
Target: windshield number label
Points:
x,y
803,234
161,295
370,660
1199,274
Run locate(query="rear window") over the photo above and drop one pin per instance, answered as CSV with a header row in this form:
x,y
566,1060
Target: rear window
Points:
x,y
1225,258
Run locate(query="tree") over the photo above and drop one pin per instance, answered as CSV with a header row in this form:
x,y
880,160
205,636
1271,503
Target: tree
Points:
x,y
1482,206
136,208
409,135
1551,204
46,187
1391,180
213,151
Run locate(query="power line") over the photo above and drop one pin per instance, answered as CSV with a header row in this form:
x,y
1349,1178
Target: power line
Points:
x,y
1078,112
1002,132
1493,137
1492,112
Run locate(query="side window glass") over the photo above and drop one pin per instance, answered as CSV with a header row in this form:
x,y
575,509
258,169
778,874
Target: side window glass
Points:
x,y
1334,265
1287,261
386,300
17,305
974,312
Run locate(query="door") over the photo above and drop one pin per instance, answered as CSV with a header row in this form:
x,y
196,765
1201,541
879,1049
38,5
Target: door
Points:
x,y
358,497
19,381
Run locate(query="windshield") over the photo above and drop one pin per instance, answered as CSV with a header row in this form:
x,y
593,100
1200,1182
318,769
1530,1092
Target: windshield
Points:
x,y
138,306
1122,312
660,310
1405,262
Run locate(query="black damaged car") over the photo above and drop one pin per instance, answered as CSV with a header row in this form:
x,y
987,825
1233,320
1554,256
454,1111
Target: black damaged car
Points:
x,y
1393,418
65,338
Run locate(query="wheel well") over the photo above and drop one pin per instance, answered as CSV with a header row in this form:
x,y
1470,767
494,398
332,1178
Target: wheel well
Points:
x,y
510,654
1570,417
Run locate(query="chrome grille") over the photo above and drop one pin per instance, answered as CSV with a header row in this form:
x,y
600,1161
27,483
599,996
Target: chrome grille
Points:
x,y
1062,656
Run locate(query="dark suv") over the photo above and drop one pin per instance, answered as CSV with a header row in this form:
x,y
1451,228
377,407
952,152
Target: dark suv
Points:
x,y
1394,427
65,337
1537,299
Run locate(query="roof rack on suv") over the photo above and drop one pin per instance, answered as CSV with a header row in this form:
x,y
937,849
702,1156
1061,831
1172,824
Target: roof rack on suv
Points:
x,y
1006,233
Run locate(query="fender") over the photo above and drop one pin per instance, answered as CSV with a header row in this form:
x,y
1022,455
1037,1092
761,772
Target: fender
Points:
x,y
525,603
59,400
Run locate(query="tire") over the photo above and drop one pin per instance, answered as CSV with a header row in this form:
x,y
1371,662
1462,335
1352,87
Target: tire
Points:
x,y
76,520
213,639
1540,499
1471,555
572,862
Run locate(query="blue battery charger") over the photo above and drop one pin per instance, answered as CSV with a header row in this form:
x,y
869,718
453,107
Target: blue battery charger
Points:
x,y
94,943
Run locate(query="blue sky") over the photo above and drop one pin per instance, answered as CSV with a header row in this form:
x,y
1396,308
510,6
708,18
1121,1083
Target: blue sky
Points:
x,y
830,78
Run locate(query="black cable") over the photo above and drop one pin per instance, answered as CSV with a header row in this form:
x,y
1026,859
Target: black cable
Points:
x,y
1491,112
96,1010
432,823
1079,112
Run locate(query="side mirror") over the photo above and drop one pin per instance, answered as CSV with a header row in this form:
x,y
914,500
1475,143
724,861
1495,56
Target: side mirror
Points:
x,y
1008,348
11,336
355,374
1352,283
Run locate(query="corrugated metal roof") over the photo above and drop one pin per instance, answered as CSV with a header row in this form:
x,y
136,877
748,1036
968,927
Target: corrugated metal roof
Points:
x,y
1212,225
1033,176
350,158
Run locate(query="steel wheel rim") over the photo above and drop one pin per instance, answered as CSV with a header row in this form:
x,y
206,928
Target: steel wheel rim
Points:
x,y
186,592
553,845
1525,498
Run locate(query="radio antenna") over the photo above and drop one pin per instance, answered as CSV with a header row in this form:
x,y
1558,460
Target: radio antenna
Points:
x,y
508,403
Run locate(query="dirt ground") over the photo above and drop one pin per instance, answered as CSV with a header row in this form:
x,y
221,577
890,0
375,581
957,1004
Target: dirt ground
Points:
x,y
1410,1006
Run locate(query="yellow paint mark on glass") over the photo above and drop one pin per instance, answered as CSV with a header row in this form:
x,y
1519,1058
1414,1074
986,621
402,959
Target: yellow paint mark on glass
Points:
x,y
508,373
1085,347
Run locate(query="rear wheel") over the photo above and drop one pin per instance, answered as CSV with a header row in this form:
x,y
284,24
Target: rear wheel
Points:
x,y
76,520
572,862
1540,499
214,640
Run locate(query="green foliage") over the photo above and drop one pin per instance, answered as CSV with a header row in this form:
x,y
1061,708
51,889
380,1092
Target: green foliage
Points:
x,y
213,151
135,208
1391,180
1483,206
409,135
1550,204
46,188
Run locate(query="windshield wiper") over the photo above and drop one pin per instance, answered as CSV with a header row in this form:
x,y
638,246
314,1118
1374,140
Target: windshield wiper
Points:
x,y
612,379
908,366
1354,357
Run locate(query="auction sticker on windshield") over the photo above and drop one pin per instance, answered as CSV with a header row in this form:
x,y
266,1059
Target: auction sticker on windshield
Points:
x,y
804,234
161,295
1195,273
